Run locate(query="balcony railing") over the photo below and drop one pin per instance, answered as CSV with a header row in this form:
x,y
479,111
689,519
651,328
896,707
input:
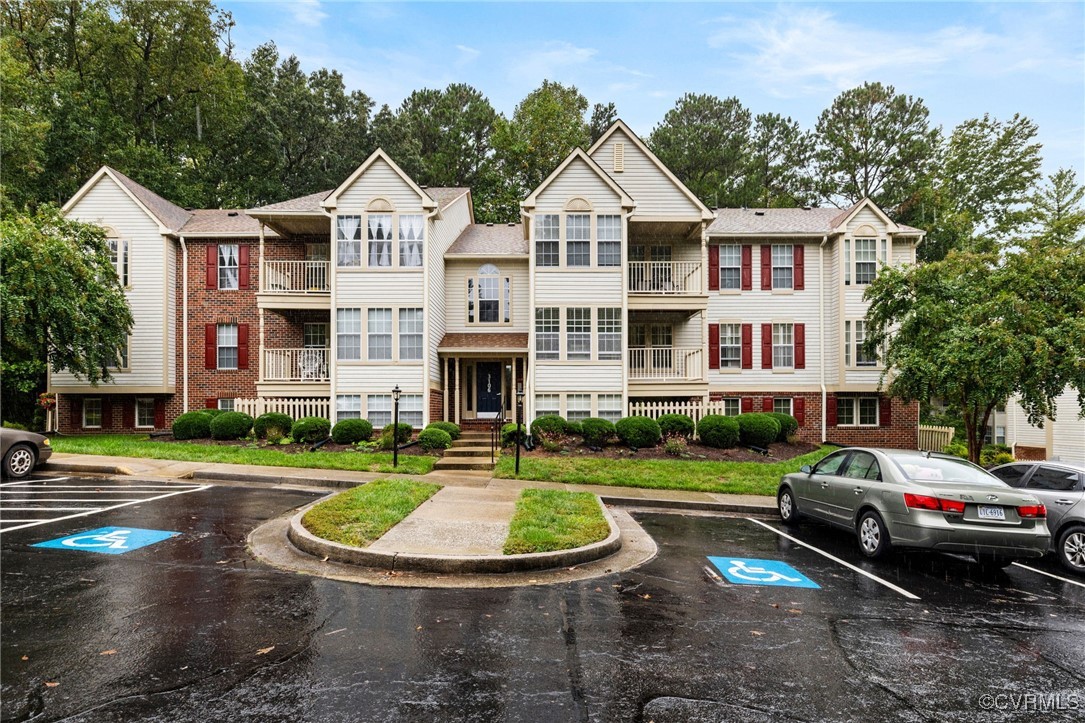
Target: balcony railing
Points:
x,y
665,363
296,365
665,277
295,277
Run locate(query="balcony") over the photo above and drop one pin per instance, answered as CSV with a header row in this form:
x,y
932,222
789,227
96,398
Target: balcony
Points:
x,y
295,371
666,371
666,285
295,285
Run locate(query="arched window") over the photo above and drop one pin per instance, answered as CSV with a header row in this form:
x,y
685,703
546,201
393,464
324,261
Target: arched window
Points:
x,y
489,297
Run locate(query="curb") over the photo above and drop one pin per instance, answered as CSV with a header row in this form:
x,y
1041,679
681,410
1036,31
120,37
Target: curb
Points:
x,y
89,468
688,505
216,476
305,541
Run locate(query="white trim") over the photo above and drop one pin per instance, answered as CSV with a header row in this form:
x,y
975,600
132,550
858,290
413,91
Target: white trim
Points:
x,y
626,200
331,200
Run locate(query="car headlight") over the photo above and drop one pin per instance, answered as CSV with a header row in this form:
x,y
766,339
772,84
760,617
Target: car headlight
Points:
x,y
46,442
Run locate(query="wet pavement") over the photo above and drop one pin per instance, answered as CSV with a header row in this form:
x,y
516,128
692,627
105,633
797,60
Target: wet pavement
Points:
x,y
191,628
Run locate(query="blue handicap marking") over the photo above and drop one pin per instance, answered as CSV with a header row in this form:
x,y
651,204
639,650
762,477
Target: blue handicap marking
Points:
x,y
109,540
746,571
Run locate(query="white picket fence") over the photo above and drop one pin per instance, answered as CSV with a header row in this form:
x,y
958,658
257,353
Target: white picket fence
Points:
x,y
935,438
295,408
694,410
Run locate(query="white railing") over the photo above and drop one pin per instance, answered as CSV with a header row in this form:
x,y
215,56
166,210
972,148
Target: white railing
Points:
x,y
665,363
935,438
295,277
694,410
293,408
296,365
665,277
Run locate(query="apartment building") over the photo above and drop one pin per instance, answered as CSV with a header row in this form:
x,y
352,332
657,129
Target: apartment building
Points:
x,y
618,291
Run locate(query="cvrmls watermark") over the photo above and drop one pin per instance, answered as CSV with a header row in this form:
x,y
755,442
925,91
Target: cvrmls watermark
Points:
x,y
1043,702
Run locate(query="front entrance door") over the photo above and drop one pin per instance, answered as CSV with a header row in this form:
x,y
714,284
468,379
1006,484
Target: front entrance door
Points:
x,y
488,386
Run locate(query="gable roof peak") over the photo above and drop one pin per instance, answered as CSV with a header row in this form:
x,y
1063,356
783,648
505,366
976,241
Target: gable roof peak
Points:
x,y
579,154
169,216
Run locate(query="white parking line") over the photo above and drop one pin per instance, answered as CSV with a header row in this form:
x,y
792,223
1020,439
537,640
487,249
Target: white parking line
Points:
x,y
46,509
1048,574
848,565
35,500
24,482
105,509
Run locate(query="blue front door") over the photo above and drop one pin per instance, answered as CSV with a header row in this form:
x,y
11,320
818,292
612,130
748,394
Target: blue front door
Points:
x,y
488,384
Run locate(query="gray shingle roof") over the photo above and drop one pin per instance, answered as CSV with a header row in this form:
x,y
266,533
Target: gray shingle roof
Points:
x,y
221,221
169,214
482,239
754,221
481,341
309,204
445,196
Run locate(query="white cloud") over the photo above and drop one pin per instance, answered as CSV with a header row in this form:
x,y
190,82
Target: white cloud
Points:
x,y
551,59
307,12
467,55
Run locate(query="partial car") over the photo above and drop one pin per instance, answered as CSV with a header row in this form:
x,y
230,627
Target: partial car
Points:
x,y
1060,486
22,452
891,498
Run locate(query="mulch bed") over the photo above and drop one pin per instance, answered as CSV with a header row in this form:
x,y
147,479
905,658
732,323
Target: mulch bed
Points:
x,y
777,452
293,448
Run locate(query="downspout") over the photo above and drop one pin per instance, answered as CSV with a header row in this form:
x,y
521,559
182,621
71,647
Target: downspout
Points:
x,y
427,310
184,324
821,337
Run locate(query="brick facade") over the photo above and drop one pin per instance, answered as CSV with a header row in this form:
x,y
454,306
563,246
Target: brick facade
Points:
x,y
1029,454
118,413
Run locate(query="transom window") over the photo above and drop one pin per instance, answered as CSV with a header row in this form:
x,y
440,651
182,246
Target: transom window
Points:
x,y
783,271
866,260
578,334
730,346
380,239
118,254
228,266
227,346
730,266
494,292
410,334
547,235
410,239
578,239
348,241
547,333
783,346
380,335
857,411
145,412
348,333
609,236
610,334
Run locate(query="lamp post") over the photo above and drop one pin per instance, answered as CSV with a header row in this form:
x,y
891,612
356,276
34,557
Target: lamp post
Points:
x,y
519,416
395,426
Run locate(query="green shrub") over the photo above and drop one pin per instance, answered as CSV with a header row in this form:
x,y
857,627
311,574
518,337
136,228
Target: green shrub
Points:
x,y
272,424
231,425
549,426
452,428
432,438
788,425
596,431
757,429
192,425
716,430
992,451
14,425
403,436
349,431
957,449
675,446
638,432
508,434
310,429
573,428
676,425
212,412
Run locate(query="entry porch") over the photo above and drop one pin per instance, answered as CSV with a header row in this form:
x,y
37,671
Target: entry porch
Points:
x,y
479,376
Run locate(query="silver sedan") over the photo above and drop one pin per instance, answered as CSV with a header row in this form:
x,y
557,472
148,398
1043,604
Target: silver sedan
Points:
x,y
898,498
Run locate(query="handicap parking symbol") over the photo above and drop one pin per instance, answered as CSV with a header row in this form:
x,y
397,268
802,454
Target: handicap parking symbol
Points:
x,y
746,571
109,540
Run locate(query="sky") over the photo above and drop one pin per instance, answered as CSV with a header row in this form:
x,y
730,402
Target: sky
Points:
x,y
964,59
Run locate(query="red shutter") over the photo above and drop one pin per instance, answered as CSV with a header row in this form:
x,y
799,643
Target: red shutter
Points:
x,y
798,410
212,266
766,404
242,346
713,268
766,268
211,403
128,414
747,405
766,346
747,268
713,346
830,410
77,410
107,413
747,346
160,413
885,411
800,267
210,346
243,266
800,346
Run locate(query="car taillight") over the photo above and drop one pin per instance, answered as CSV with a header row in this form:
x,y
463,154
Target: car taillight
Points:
x,y
925,502
1032,511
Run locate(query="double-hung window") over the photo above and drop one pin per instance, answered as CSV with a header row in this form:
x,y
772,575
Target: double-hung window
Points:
x,y
609,238
783,270
228,266
854,338
348,406
610,334
494,297
730,406
783,346
380,335
610,407
348,333
348,241
118,254
578,334
857,411
731,266
226,404
547,333
730,346
145,412
410,409
380,239
578,239
379,409
547,235
410,334
227,346
866,260
577,407
410,239
782,405
92,412
547,405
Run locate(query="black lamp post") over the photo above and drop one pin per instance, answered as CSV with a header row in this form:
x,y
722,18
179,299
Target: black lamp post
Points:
x,y
519,417
395,426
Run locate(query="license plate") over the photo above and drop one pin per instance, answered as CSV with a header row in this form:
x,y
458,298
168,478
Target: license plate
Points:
x,y
986,512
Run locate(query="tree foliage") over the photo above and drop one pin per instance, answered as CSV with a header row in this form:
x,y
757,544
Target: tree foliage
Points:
x,y
1058,212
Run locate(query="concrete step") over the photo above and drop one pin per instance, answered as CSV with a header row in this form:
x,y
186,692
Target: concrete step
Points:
x,y
468,452
472,442
446,463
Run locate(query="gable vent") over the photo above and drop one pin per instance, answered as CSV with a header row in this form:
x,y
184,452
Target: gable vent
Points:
x,y
619,156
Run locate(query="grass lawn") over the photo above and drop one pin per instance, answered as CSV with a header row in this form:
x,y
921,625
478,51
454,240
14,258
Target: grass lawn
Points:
x,y
138,445
360,516
748,478
548,520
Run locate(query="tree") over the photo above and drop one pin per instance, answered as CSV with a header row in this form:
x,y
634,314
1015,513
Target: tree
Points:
x,y
778,158
61,303
975,329
703,140
873,143
602,118
1058,211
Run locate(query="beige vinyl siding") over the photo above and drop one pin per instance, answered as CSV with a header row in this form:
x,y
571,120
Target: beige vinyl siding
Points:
x,y
655,194
378,288
353,378
379,180
171,251
578,180
687,334
862,379
149,272
552,377
1019,431
578,288
439,236
457,271
834,326
903,252
866,217
1068,431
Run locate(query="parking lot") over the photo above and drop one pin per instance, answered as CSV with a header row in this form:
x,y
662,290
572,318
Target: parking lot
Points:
x,y
190,627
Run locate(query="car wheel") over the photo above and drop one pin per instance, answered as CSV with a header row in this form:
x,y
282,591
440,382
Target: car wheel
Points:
x,y
785,505
873,537
19,461
1071,549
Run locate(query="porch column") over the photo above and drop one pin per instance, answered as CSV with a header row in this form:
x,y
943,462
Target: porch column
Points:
x,y
459,383
445,392
260,364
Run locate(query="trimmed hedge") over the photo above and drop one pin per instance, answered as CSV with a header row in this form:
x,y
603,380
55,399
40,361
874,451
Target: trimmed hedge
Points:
x,y
638,432
231,425
268,423
788,425
311,429
596,431
351,431
403,436
452,428
508,434
432,438
549,426
757,429
212,412
716,430
676,425
192,425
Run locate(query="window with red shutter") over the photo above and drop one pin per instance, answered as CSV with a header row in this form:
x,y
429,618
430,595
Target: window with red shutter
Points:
x,y
128,414
766,404
747,404
243,266
713,346
713,268
747,268
212,266
210,346
766,268
798,410
800,346
107,413
747,346
885,411
242,346
830,410
766,346
211,403
799,264
160,413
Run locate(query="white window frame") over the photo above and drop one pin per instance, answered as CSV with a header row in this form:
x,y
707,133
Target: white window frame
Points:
x,y
410,335
226,404
731,342
608,234
610,407
374,405
548,333
730,261
375,336
377,247
548,240
854,407
609,322
547,404
348,406
88,402
410,410
225,281
142,405
783,266
311,331
732,406
119,255
578,335
868,247
577,407
788,401
224,334
406,243
578,236
783,345
348,330
503,290
348,251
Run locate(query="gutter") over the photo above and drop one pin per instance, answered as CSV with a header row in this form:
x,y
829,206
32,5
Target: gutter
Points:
x,y
184,323
821,336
